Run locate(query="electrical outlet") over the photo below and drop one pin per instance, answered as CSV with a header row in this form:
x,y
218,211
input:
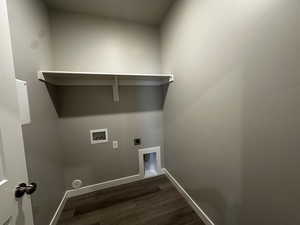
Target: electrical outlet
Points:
x,y
115,144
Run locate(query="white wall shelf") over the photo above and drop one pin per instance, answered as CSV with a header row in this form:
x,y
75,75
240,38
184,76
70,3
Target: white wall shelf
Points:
x,y
71,78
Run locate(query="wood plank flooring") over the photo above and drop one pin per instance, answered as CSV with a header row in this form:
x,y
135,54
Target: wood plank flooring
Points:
x,y
153,201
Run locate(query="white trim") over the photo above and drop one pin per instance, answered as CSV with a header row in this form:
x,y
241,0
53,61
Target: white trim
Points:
x,y
71,78
115,87
23,102
91,188
49,72
125,180
59,209
144,151
2,182
103,185
189,199
98,131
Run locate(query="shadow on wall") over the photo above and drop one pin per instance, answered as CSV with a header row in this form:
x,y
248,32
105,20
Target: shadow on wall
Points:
x,y
76,101
222,212
53,93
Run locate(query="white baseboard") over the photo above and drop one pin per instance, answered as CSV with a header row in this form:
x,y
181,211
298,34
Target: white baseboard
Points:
x,y
87,189
59,210
189,199
126,180
103,185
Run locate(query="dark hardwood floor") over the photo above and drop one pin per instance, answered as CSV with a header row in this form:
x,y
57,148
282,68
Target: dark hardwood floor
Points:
x,y
153,201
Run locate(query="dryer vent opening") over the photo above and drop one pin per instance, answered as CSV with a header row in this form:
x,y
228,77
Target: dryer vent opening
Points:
x,y
150,164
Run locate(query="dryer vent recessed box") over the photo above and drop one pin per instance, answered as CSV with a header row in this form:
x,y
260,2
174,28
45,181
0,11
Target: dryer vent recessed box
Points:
x,y
99,136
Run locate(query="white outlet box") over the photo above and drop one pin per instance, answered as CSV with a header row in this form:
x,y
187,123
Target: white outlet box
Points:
x,y
99,136
115,144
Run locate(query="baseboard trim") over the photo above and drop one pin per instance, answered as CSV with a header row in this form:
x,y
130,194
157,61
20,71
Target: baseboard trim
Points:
x,y
126,180
59,209
87,189
95,187
189,199
103,185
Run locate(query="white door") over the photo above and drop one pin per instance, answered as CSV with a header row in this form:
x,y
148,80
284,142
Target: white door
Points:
x,y
12,157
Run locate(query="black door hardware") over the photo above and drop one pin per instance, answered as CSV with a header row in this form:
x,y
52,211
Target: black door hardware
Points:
x,y
22,188
31,188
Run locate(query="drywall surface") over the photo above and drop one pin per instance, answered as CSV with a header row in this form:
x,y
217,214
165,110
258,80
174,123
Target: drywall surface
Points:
x,y
137,115
31,49
85,43
232,116
141,11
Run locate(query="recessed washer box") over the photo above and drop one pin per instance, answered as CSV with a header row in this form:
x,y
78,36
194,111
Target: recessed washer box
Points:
x,y
99,136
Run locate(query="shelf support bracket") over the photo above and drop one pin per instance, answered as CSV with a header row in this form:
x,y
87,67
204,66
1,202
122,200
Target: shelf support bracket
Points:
x,y
41,76
116,89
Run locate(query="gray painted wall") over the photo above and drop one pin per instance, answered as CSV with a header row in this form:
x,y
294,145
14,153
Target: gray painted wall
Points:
x,y
58,150
232,116
138,114
86,43
141,11
31,49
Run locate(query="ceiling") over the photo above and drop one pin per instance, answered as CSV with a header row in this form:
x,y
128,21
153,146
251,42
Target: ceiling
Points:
x,y
141,11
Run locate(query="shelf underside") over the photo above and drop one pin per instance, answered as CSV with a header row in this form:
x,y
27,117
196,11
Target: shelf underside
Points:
x,y
65,78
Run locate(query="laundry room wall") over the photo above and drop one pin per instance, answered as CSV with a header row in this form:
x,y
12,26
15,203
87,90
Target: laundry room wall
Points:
x,y
89,43
232,116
